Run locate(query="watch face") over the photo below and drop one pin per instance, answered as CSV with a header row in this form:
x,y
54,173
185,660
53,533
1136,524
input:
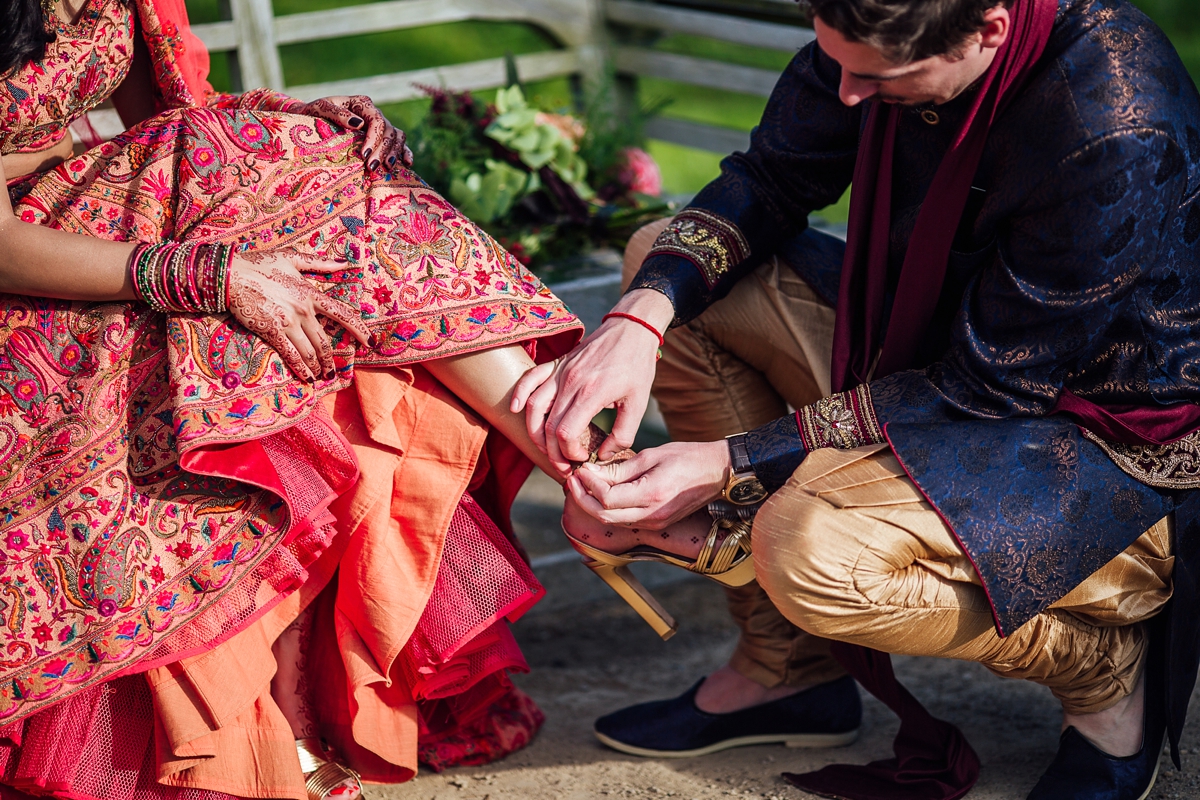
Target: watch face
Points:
x,y
747,491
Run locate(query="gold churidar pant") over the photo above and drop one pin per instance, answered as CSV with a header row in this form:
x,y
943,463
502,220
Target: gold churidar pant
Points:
x,y
849,549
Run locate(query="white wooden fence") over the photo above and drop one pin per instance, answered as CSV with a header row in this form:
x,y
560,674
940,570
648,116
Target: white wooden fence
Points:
x,y
589,32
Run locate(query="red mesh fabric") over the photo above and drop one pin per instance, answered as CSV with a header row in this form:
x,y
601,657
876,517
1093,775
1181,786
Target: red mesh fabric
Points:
x,y
98,744
461,636
306,459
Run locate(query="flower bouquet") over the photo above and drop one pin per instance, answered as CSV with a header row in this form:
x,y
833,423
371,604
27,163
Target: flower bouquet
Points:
x,y
548,186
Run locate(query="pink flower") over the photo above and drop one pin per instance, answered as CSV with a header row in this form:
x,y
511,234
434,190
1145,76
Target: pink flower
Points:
x,y
242,408
570,127
159,185
481,315
183,550
56,668
17,540
26,389
157,574
42,633
204,157
640,173
407,331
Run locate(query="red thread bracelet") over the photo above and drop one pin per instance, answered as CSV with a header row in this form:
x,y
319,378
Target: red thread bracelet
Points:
x,y
638,320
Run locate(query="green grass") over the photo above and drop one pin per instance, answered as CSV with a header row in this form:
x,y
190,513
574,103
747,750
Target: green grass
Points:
x,y
1180,19
414,48
685,170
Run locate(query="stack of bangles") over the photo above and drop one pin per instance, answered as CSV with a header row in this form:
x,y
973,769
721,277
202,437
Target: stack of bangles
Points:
x,y
639,321
182,277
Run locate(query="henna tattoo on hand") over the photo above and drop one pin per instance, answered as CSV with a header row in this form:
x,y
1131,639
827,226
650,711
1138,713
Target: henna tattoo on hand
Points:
x,y
266,318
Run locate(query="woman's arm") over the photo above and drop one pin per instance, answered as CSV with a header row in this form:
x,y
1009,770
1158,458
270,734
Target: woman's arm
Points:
x,y
269,297
44,262
485,380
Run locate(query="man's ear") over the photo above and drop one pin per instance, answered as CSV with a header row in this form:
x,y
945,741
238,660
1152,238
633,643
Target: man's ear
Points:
x,y
997,27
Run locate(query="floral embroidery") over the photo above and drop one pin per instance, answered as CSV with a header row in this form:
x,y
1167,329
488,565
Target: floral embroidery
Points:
x,y
108,544
712,243
1166,466
82,67
845,420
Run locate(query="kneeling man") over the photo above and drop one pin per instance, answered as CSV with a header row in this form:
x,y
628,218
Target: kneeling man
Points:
x,y
994,380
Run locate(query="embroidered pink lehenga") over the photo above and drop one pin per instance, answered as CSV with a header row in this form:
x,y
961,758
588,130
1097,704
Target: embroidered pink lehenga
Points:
x,y
171,497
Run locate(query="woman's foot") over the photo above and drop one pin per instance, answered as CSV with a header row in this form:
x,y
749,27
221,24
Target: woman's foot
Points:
x,y
684,538
289,689
325,777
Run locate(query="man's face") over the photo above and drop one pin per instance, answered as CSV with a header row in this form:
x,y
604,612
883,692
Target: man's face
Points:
x,y
867,73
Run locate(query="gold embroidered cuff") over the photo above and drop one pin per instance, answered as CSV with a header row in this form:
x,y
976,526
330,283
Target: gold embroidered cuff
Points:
x,y
1166,466
845,421
712,243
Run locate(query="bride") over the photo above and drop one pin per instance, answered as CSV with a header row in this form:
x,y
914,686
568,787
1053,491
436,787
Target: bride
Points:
x,y
257,451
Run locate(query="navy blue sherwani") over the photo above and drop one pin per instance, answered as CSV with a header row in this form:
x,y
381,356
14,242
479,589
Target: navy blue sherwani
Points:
x,y
1076,267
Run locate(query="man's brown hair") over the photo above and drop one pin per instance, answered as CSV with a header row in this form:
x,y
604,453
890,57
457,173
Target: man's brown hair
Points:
x,y
906,30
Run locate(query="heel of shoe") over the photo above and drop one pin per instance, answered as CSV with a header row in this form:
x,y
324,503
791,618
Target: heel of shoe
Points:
x,y
624,583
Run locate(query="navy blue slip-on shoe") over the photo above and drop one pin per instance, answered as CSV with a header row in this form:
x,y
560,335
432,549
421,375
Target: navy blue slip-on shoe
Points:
x,y
823,716
1082,771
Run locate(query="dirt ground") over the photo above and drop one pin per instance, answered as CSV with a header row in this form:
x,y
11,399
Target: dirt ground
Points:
x,y
590,659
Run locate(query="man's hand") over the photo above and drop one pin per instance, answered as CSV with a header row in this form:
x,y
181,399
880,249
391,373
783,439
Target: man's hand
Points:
x,y
614,367
655,488
382,142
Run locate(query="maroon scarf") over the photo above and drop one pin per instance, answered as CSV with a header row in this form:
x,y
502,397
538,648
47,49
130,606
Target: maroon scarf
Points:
x,y
857,336
932,760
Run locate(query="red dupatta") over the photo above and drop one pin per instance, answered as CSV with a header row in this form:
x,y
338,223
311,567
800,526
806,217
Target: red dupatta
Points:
x,y
179,59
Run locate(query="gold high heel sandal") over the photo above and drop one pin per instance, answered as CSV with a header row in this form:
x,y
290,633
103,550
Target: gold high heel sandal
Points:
x,y
730,563
322,772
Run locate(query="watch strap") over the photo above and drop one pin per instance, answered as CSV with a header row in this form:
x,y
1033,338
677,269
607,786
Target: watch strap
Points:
x,y
739,454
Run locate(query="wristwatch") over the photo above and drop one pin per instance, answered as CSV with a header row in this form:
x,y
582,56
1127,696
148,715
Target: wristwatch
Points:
x,y
743,487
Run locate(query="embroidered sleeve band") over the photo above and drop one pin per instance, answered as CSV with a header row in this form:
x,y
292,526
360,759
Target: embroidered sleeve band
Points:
x,y
676,278
1167,466
845,420
712,243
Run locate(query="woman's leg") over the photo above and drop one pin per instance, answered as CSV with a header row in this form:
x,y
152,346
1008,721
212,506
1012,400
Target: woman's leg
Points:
x,y
484,380
290,690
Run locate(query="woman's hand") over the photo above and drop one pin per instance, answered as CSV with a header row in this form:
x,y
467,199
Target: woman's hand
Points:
x,y
383,142
656,487
272,300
